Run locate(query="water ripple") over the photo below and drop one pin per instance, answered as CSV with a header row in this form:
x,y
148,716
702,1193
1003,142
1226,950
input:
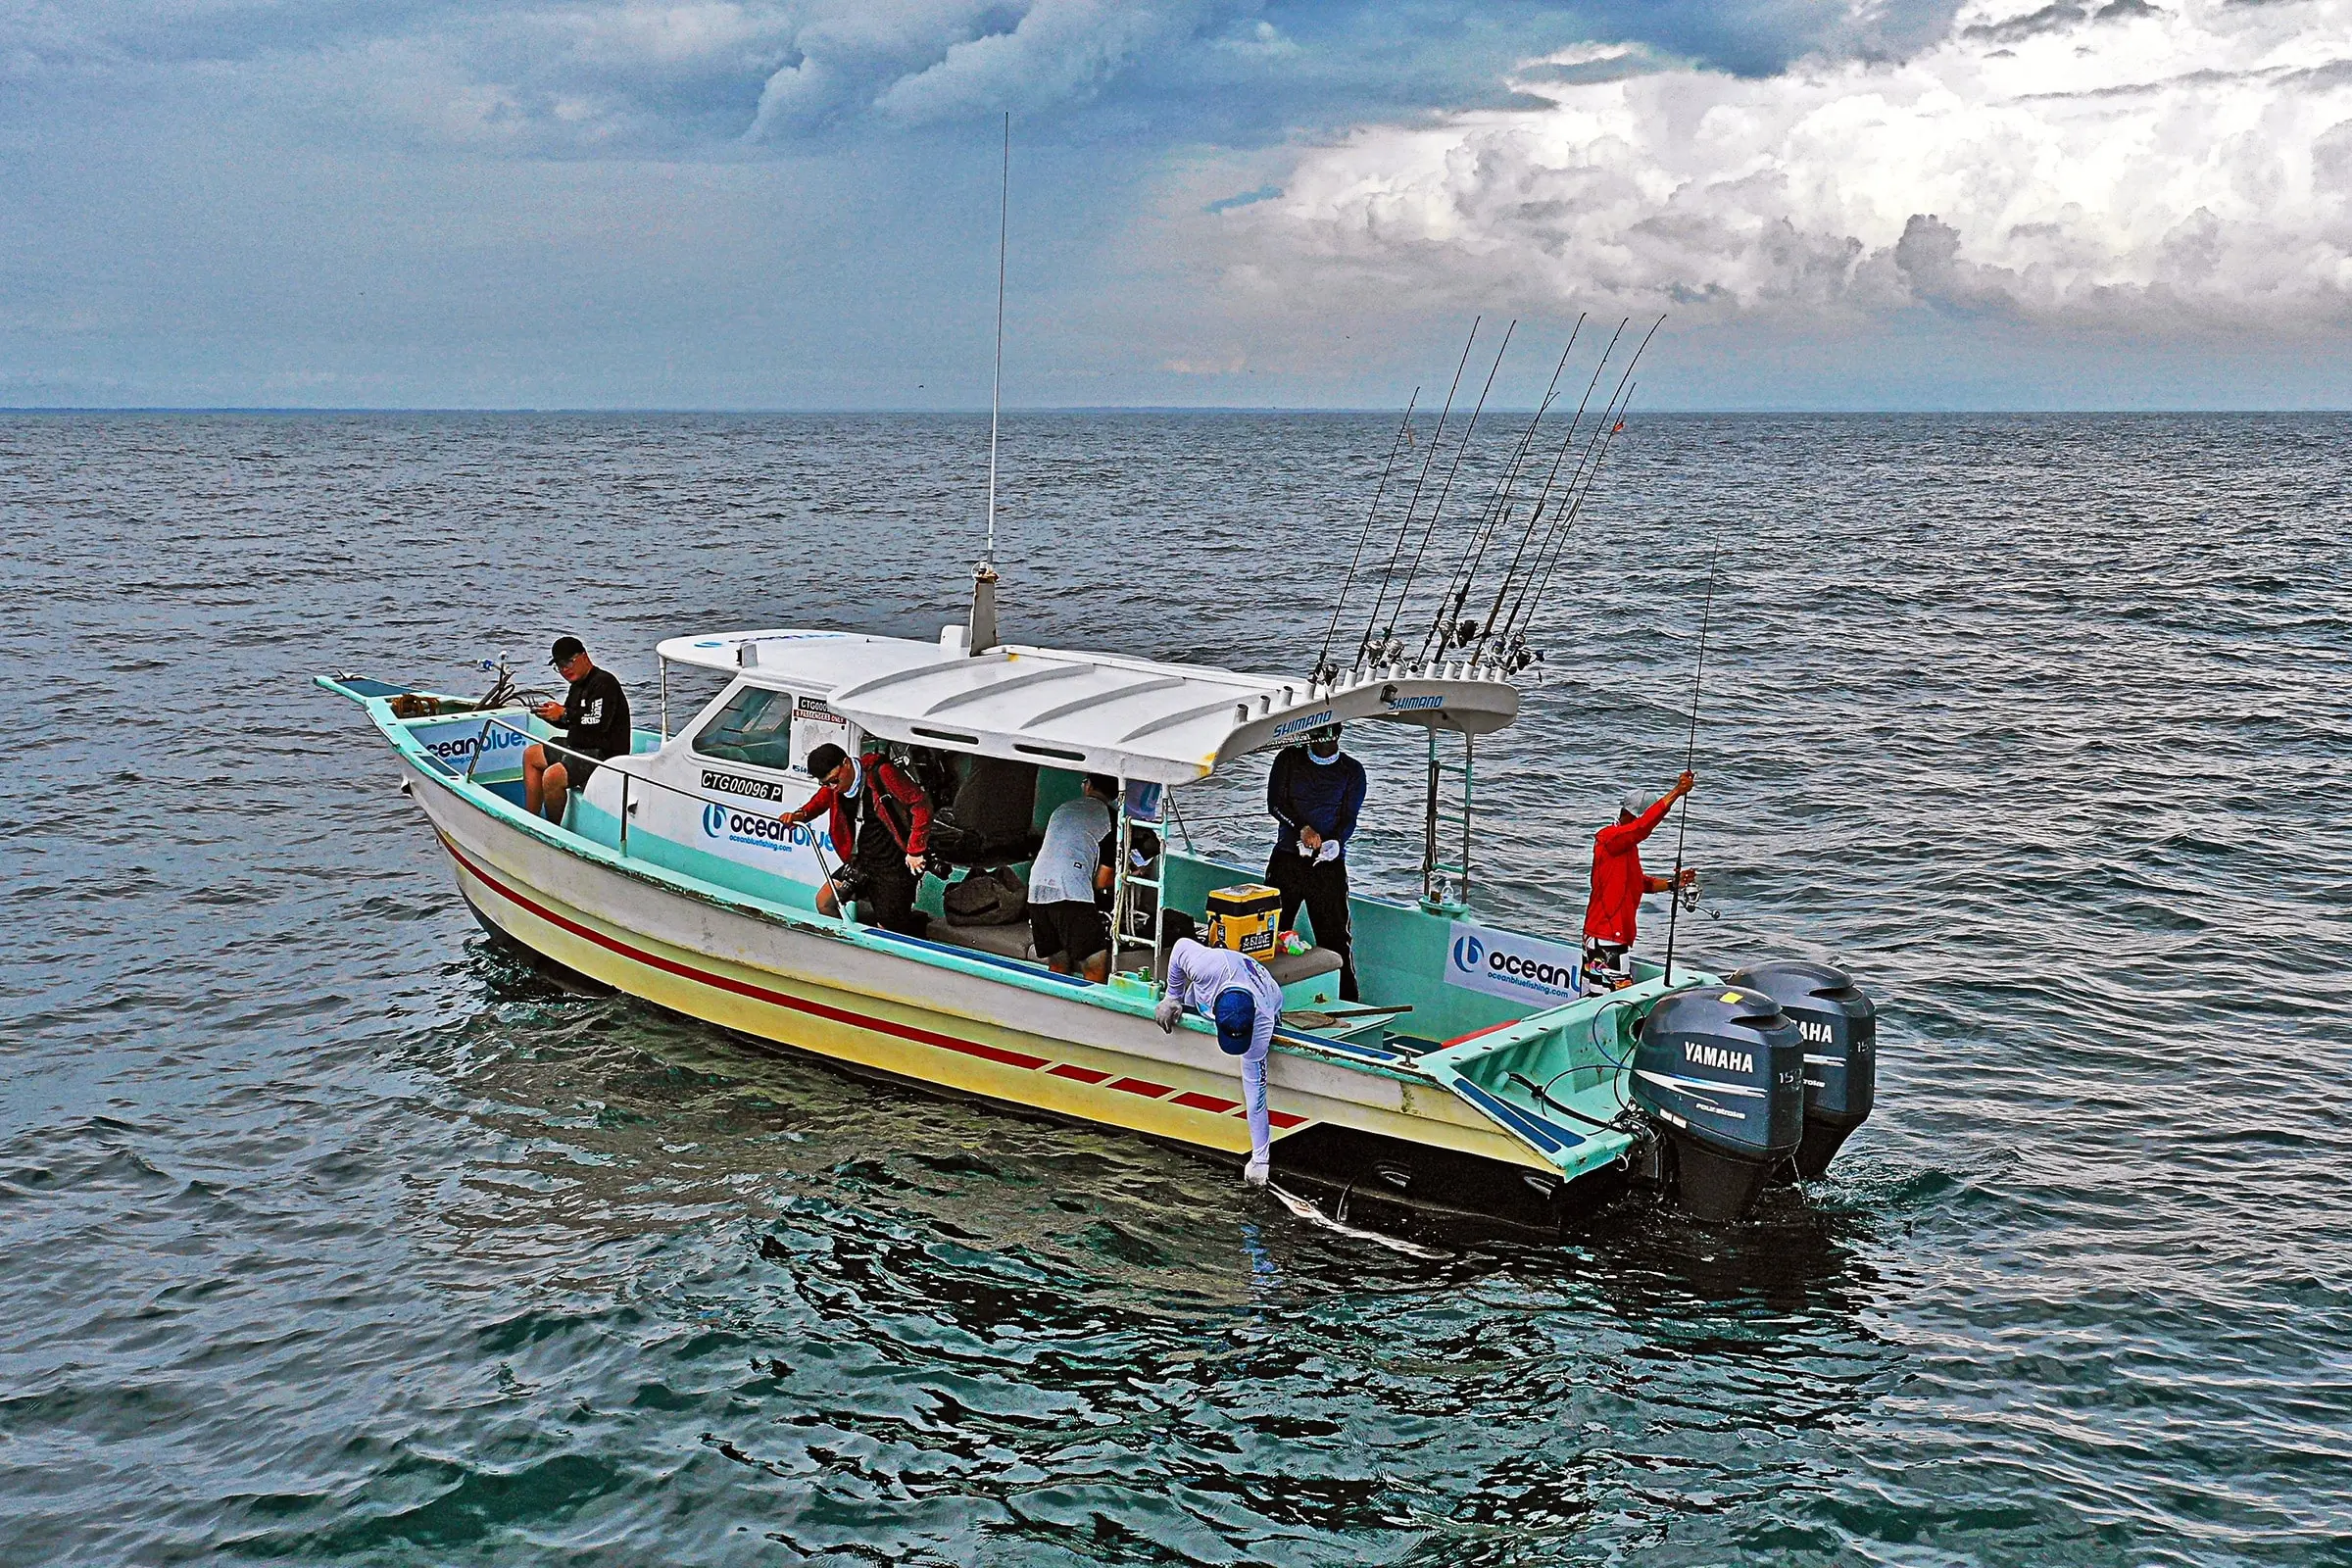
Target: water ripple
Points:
x,y
336,1236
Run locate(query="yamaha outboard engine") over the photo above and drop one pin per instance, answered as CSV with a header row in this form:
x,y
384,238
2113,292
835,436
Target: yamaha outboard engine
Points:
x,y
1840,1030
1719,1067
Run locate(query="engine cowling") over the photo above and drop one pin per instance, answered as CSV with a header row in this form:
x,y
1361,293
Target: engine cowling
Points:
x,y
1720,1068
1839,1026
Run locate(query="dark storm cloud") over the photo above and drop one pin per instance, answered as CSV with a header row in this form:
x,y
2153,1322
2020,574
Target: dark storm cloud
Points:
x,y
625,75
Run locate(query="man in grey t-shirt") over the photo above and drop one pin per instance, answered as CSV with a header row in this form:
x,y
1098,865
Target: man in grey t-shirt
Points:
x,y
1065,925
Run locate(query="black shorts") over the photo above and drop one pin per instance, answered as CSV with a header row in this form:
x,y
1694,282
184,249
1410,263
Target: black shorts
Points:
x,y
1072,927
577,766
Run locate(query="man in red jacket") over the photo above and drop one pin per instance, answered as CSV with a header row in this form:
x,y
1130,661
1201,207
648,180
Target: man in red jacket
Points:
x,y
881,823
1618,883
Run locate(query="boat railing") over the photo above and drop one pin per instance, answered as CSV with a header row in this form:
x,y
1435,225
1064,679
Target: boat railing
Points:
x,y
628,780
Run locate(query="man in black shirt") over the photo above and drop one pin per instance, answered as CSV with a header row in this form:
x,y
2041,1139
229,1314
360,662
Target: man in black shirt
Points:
x,y
595,714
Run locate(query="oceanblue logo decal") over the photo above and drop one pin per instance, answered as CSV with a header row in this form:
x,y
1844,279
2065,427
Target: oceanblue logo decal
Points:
x,y
756,829
454,741
1401,704
1505,963
1292,726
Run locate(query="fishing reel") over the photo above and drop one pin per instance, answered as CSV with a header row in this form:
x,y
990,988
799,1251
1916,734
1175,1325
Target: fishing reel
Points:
x,y
1685,891
1687,897
1516,656
501,689
504,693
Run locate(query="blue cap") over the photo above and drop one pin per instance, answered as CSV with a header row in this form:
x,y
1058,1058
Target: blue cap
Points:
x,y
1237,1021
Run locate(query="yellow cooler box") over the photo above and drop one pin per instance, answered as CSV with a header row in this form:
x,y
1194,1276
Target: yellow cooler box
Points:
x,y
1246,919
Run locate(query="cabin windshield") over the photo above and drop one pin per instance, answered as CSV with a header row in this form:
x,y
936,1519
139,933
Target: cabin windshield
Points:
x,y
755,728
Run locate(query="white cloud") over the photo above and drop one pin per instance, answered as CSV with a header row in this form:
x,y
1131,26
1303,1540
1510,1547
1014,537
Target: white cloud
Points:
x,y
2066,162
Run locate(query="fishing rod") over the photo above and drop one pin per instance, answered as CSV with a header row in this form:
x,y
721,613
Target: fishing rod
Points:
x,y
1495,512
1324,671
1405,593
1554,549
1611,427
1674,887
1538,581
1567,439
1445,631
1564,516
1563,511
996,380
1363,645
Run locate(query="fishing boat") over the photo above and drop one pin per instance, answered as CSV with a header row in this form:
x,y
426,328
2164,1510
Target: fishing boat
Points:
x,y
1469,1079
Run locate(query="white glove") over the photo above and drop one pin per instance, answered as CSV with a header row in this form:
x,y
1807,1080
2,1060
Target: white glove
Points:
x,y
1328,853
1304,850
1167,1012
1255,1173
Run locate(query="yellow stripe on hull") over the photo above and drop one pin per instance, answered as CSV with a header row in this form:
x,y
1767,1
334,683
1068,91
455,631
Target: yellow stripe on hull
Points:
x,y
648,967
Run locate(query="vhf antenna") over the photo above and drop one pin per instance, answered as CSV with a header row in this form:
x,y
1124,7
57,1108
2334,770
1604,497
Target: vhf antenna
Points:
x,y
996,380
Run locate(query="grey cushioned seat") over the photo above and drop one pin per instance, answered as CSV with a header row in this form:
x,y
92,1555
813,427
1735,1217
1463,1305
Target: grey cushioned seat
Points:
x,y
1012,942
1004,941
1289,968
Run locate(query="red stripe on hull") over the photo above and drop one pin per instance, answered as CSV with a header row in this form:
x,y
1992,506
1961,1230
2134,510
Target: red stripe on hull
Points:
x,y
1191,1100
743,988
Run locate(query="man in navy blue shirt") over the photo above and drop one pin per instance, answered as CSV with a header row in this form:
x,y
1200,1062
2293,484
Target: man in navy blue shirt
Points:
x,y
1315,791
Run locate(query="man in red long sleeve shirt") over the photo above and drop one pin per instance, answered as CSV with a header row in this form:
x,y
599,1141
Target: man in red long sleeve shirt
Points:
x,y
881,823
1618,883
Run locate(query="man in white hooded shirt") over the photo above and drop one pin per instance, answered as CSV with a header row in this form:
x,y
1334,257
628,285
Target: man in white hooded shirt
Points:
x,y
1235,991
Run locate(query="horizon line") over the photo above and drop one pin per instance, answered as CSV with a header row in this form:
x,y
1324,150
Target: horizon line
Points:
x,y
755,412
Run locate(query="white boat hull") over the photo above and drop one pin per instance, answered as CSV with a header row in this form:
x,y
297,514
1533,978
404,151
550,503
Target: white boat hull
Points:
x,y
920,1012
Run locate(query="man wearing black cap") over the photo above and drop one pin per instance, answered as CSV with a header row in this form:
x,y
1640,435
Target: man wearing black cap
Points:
x,y
1316,791
595,714
881,826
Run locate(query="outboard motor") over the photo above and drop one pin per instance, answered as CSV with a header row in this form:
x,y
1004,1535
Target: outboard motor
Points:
x,y
1720,1067
1840,1030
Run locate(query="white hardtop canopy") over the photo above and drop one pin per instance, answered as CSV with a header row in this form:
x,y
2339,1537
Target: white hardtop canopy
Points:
x,y
1097,712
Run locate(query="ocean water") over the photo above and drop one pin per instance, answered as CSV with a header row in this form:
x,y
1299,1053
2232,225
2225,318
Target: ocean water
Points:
x,y
330,1233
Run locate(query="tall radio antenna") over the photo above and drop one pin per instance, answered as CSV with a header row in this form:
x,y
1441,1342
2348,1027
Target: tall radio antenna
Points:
x,y
996,382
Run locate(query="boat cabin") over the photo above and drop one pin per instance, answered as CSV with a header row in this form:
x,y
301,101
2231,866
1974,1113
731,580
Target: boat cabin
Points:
x,y
1000,739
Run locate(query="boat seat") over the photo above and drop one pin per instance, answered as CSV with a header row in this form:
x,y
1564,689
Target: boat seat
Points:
x,y
1287,968
1004,941
1012,942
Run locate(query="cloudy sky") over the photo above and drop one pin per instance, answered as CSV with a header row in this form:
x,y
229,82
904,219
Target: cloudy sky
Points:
x,y
792,203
